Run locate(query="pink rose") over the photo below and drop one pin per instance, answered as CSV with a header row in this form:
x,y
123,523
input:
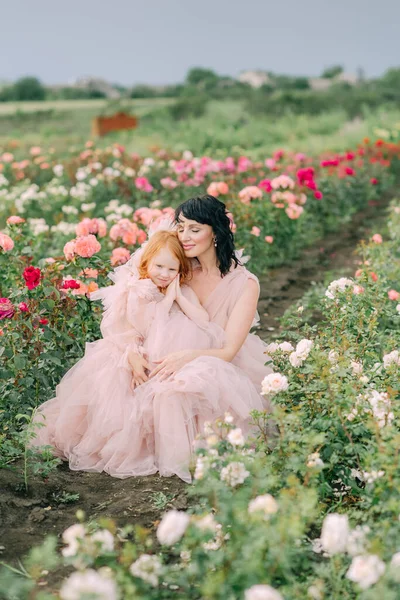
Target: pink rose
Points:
x,y
393,295
69,250
119,256
269,239
377,238
86,246
358,289
6,309
255,231
294,211
15,220
6,243
23,307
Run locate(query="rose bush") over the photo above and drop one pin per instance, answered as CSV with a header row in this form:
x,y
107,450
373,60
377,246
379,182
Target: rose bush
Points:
x,y
310,507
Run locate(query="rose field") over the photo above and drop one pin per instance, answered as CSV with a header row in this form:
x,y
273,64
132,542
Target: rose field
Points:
x,y
314,512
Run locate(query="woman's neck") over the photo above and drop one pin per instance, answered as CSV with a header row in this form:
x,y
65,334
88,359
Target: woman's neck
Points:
x,y
208,262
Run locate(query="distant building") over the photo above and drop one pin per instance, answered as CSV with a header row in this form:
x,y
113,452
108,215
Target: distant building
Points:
x,y
324,83
254,78
98,85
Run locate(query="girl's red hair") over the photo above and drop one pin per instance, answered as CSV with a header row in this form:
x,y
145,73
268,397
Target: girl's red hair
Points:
x,y
157,242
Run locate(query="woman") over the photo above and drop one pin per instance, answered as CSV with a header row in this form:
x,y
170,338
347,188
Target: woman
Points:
x,y
192,386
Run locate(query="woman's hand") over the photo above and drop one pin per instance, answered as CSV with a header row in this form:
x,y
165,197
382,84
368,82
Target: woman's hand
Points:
x,y
172,363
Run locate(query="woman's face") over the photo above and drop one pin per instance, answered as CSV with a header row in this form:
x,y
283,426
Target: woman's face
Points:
x,y
196,238
163,269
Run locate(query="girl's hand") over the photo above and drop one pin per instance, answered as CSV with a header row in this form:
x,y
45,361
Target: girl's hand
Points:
x,y
139,365
170,364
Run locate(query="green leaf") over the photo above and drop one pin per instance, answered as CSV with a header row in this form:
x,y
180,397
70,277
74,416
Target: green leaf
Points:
x,y
19,362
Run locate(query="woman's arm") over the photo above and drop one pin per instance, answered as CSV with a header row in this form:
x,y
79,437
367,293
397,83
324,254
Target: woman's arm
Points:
x,y
236,331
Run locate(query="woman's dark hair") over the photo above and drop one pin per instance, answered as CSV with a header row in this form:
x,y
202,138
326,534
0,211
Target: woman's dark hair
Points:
x,y
210,211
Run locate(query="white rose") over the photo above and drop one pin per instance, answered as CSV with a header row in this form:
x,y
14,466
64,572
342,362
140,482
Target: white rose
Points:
x,y
265,503
274,383
72,536
58,170
234,474
395,562
206,523
295,360
356,367
148,568
235,437
334,534
366,570
105,539
393,358
262,592
271,348
88,583
228,418
172,527
286,347
333,356
303,348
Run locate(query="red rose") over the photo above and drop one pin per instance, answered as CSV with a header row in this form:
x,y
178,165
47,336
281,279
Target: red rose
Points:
x,y
32,276
318,195
374,181
23,307
70,284
43,321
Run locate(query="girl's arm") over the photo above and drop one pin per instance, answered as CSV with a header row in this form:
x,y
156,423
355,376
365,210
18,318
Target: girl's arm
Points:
x,y
190,305
236,331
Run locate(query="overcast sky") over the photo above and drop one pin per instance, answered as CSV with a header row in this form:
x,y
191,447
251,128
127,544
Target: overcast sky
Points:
x,y
157,41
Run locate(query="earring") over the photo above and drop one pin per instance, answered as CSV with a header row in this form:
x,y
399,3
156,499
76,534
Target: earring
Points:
x,y
215,242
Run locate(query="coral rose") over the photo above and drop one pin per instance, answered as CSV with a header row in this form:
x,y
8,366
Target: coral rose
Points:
x,y
86,246
6,243
69,250
119,256
377,238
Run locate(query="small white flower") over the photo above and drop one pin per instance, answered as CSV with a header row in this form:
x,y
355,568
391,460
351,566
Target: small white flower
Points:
x,y
58,170
300,309
172,527
88,584
357,539
262,592
105,539
334,534
286,347
228,418
234,474
206,523
272,347
148,568
393,358
295,360
265,503
73,536
86,206
303,348
356,367
398,308
339,285
372,476
333,357
93,181
274,383
366,570
314,460
315,593
235,437
207,428
186,556
200,468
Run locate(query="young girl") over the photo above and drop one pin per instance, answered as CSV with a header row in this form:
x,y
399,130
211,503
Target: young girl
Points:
x,y
102,417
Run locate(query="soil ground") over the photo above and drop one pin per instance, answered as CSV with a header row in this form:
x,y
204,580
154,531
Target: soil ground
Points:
x,y
26,519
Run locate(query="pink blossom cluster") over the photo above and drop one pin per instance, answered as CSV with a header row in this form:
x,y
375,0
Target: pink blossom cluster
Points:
x,y
84,246
94,226
128,232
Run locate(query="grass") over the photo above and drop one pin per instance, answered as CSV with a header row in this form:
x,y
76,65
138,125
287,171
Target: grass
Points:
x,y
225,127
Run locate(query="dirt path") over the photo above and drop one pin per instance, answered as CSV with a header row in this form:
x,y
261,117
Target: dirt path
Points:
x,y
25,520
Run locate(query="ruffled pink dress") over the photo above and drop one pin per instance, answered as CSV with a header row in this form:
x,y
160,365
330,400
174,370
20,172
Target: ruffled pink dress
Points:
x,y
98,423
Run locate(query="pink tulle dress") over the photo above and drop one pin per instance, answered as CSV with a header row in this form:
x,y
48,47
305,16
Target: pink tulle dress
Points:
x,y
98,423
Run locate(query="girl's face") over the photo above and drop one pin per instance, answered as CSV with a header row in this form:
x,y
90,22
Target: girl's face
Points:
x,y
163,268
196,238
